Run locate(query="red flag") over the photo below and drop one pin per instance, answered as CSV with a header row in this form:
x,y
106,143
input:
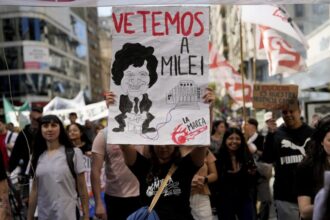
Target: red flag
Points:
x,y
282,58
227,77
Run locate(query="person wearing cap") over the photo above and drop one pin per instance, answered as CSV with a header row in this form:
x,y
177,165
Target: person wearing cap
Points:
x,y
286,147
256,145
73,117
310,172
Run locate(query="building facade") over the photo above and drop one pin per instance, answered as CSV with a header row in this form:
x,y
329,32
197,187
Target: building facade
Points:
x,y
42,54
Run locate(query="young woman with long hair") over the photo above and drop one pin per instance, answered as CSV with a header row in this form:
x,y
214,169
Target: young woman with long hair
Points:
x,y
54,187
310,173
236,178
79,138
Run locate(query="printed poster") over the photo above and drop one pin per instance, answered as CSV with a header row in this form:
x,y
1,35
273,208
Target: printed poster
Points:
x,y
159,74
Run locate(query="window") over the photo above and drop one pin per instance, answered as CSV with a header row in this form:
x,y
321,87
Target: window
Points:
x,y
299,10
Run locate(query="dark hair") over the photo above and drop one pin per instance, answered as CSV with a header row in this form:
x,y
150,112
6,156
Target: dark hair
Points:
x,y
73,114
253,121
40,145
81,128
134,54
155,168
316,156
216,124
243,156
37,109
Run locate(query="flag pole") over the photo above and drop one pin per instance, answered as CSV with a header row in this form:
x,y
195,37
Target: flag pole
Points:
x,y
242,68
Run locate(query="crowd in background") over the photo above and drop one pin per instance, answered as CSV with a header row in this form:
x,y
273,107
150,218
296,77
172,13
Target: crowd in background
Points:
x,y
228,180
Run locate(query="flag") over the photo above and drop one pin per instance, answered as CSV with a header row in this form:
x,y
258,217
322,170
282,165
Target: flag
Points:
x,y
274,17
18,115
282,58
227,77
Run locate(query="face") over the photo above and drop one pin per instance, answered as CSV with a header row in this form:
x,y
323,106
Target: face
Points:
x,y
2,126
221,129
326,143
233,142
74,132
250,129
291,117
136,80
164,152
50,131
34,118
72,118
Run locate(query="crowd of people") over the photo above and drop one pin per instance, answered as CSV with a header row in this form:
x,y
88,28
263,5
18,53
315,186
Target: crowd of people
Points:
x,y
228,180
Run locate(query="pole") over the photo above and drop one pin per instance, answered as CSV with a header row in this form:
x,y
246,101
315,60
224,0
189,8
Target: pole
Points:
x,y
242,68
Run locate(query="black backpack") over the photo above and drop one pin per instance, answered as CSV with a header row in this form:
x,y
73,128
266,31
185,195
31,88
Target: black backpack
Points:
x,y
69,153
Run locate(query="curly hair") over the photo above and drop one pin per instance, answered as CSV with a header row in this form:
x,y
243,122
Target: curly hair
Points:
x,y
134,54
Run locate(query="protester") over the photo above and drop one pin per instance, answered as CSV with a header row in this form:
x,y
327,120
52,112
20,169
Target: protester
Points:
x,y
236,178
219,127
310,172
152,170
98,128
286,147
10,127
73,117
322,200
200,193
5,210
264,171
3,148
10,140
22,149
89,130
121,185
54,187
79,138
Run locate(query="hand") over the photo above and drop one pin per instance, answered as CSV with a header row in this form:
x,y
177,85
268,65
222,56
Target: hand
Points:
x,y
209,96
100,212
198,181
271,124
109,98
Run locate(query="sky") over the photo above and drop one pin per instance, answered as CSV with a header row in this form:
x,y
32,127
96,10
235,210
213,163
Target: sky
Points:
x,y
104,11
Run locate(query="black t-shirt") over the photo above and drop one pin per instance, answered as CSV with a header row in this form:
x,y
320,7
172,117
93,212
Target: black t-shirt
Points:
x,y
174,201
305,182
286,148
3,175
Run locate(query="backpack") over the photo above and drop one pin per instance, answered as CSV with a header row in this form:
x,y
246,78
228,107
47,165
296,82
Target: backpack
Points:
x,y
69,153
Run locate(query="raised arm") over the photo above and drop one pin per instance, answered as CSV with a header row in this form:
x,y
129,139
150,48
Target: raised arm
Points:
x,y
130,154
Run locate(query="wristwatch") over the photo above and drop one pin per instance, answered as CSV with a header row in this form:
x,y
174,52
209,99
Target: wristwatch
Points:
x,y
206,180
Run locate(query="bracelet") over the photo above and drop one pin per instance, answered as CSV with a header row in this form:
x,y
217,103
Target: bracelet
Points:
x,y
206,180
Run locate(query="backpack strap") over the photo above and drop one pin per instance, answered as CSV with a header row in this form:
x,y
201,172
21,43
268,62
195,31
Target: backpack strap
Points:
x,y
9,137
69,153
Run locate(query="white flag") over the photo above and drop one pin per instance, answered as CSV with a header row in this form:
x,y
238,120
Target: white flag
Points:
x,y
274,17
282,58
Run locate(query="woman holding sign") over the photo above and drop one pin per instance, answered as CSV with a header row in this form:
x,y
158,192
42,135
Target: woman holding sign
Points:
x,y
174,202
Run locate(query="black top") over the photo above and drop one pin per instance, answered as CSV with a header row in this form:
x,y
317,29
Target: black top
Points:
x,y
3,175
85,148
23,143
305,182
286,148
174,201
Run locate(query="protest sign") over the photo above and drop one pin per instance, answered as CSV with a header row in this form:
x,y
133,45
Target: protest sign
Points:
x,y
272,96
159,74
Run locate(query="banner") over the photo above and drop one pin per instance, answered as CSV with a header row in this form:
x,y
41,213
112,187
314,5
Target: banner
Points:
x,y
159,74
35,57
274,17
274,96
91,112
95,3
282,58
